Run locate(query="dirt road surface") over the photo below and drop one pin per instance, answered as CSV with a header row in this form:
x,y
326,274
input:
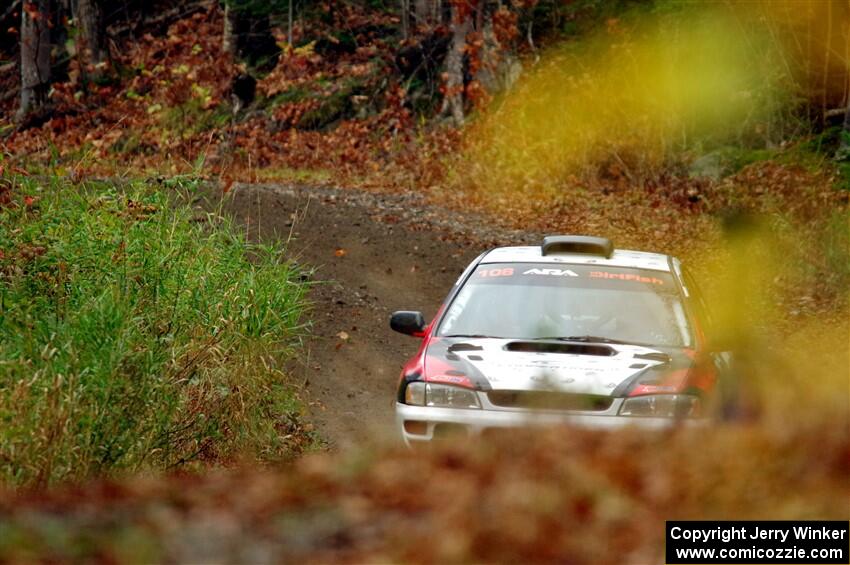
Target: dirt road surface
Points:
x,y
371,255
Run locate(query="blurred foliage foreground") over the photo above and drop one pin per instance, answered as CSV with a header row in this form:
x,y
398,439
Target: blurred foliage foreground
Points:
x,y
562,496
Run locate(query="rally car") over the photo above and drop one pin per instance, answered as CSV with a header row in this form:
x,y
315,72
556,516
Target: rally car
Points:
x,y
571,331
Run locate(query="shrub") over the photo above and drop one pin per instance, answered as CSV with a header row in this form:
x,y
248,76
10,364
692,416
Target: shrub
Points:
x,y
134,335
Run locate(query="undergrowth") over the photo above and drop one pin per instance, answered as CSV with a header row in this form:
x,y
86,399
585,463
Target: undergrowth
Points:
x,y
134,335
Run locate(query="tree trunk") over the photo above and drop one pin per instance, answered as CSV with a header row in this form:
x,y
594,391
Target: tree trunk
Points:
x,y
92,43
424,11
405,18
844,148
231,23
290,16
453,100
35,56
248,35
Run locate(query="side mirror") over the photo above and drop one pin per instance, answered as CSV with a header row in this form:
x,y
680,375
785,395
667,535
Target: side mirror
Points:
x,y
410,323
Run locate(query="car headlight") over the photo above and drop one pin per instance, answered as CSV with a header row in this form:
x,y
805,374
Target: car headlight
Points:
x,y
662,406
442,396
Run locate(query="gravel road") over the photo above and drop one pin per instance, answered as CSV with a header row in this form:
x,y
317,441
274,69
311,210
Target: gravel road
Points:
x,y
372,254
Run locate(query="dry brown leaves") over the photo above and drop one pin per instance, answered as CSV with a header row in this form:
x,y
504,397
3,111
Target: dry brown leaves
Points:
x,y
565,495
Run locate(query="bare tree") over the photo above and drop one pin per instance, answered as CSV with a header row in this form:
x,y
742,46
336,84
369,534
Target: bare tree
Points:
x,y
248,33
231,23
405,18
93,51
425,12
290,15
454,84
844,147
35,56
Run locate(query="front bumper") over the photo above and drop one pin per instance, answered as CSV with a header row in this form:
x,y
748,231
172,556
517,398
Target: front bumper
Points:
x,y
427,422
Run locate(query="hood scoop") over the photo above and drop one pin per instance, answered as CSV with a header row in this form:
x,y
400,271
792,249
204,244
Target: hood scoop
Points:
x,y
653,356
560,347
455,347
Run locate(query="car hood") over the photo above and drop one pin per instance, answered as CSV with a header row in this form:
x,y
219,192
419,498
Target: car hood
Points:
x,y
580,368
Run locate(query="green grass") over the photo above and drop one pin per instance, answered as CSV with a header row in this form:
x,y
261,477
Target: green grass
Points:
x,y
294,94
191,118
134,335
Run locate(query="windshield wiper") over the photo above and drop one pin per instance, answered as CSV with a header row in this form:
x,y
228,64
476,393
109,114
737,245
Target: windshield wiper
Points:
x,y
591,339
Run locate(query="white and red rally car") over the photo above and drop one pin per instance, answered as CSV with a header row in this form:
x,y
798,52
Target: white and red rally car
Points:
x,y
571,331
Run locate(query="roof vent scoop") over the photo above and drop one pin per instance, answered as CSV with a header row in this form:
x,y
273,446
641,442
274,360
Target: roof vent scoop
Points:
x,y
583,244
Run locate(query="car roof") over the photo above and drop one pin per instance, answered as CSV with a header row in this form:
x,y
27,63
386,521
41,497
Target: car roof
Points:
x,y
620,258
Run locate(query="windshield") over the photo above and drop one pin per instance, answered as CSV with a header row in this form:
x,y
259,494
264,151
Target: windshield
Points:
x,y
533,301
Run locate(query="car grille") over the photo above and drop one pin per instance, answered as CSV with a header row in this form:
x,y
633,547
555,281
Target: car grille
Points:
x,y
547,400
